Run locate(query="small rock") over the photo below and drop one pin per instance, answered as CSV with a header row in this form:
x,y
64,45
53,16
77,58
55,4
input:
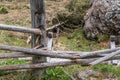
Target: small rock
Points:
x,y
88,75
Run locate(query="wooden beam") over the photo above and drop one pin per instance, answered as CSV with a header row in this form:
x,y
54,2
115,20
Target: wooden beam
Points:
x,y
19,29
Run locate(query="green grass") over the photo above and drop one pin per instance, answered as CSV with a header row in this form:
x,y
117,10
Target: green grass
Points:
x,y
108,68
11,62
13,41
3,10
5,39
77,42
56,74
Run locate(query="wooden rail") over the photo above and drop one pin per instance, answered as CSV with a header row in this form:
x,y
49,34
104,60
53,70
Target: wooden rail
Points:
x,y
55,54
14,55
20,29
83,62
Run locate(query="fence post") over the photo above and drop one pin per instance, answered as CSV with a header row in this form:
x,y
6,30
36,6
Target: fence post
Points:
x,y
50,44
112,46
38,21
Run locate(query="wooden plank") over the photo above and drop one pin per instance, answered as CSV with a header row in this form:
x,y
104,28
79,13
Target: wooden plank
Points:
x,y
39,22
19,29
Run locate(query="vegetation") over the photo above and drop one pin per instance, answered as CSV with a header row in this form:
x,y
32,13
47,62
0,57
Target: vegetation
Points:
x,y
3,10
73,14
72,39
56,74
107,68
77,42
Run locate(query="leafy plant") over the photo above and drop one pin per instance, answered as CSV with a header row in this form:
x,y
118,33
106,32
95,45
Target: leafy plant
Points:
x,y
3,10
55,74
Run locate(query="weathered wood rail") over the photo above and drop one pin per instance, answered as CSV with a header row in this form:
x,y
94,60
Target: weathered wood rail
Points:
x,y
24,29
39,55
20,29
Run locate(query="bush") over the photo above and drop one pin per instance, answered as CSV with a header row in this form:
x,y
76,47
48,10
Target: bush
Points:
x,y
75,11
3,10
77,5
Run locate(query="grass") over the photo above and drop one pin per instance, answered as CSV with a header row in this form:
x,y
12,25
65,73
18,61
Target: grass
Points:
x,y
62,73
9,40
3,10
11,62
77,42
108,69
56,74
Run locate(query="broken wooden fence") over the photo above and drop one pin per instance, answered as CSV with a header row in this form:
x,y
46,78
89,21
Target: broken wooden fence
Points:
x,y
68,57
39,55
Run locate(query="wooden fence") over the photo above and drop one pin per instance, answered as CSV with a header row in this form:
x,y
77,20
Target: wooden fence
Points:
x,y
43,56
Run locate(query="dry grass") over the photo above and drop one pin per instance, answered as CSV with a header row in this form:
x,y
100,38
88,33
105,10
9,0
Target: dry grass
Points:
x,y
19,12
